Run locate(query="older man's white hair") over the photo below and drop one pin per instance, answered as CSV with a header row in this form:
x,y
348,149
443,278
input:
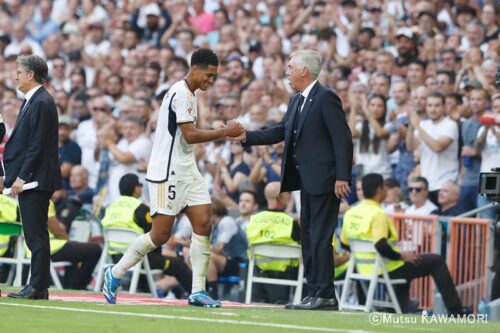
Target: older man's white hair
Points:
x,y
308,59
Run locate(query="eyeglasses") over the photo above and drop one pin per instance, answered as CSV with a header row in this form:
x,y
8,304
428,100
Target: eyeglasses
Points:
x,y
441,83
100,109
416,189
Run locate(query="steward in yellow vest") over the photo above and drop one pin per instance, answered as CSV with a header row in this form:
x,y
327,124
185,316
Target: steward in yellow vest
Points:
x,y
128,212
273,226
368,222
340,260
9,212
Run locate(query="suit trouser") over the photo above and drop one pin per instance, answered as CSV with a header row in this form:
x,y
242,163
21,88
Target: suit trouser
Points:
x,y
34,207
84,257
430,264
318,219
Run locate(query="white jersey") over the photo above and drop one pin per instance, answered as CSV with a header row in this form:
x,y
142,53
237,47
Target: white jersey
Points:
x,y
172,158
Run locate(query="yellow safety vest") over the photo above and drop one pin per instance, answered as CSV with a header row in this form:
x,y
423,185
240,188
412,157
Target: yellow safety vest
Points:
x,y
8,213
274,228
55,243
357,225
120,214
342,268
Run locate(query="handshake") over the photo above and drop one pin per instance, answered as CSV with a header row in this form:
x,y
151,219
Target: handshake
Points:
x,y
234,130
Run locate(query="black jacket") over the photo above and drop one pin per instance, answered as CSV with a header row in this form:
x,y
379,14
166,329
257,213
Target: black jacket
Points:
x,y
323,148
31,152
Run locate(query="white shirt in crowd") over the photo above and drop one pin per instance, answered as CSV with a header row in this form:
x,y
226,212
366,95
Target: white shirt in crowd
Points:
x,y
141,149
426,209
440,167
490,155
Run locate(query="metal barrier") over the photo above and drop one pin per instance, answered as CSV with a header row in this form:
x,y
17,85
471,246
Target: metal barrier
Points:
x,y
469,255
419,234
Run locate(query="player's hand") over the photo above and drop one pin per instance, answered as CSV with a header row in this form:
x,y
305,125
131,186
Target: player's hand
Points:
x,y
234,128
241,137
342,189
17,187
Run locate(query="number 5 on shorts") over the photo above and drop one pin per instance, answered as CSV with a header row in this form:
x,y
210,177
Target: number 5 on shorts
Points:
x,y
171,192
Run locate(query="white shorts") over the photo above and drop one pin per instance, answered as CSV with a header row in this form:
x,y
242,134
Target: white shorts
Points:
x,y
170,198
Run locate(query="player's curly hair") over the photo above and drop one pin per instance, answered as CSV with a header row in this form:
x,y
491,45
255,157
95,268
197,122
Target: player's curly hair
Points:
x,y
204,57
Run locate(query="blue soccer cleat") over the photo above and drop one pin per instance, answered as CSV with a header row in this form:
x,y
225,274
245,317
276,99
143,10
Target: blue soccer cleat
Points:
x,y
202,299
109,286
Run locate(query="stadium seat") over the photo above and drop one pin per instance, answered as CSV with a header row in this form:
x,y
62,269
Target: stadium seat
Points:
x,y
14,229
368,247
276,252
124,237
80,231
19,259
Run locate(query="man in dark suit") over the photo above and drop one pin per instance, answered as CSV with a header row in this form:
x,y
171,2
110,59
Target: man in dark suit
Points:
x,y
317,160
31,155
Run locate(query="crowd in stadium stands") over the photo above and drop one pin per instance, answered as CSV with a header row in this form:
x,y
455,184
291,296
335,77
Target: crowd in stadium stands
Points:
x,y
413,76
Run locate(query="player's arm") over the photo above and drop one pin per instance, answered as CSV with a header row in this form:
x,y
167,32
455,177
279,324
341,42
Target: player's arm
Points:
x,y
194,135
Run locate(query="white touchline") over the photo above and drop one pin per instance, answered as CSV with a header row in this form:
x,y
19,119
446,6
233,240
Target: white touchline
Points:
x,y
219,321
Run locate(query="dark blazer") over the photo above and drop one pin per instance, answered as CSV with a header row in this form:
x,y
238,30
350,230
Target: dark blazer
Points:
x,y
31,152
323,147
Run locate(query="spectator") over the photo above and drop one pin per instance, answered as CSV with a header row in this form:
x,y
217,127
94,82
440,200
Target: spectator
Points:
x,y
266,169
488,144
234,176
371,134
70,153
247,206
437,138
471,159
126,154
419,192
146,23
42,25
448,199
202,21
394,201
86,136
229,246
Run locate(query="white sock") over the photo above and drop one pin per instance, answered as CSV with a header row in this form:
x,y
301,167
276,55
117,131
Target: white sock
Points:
x,y
136,251
200,256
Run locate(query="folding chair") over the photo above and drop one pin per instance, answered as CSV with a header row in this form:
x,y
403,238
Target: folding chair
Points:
x,y
275,252
125,237
14,229
368,247
80,231
19,259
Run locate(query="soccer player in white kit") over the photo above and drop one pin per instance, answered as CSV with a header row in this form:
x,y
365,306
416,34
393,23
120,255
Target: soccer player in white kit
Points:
x,y
175,183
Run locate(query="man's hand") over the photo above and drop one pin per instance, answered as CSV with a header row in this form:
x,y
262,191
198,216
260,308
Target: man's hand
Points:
x,y
17,187
342,189
410,257
235,130
414,119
